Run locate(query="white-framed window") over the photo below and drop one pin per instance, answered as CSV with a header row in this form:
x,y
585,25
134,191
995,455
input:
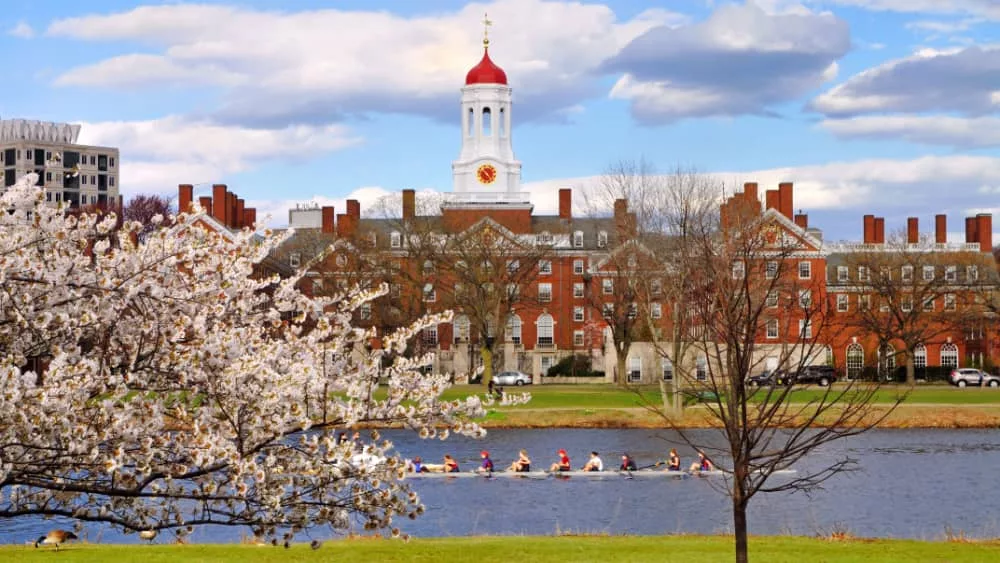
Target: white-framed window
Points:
x,y
656,286
578,338
632,261
771,269
928,273
428,267
294,259
805,329
842,273
701,368
633,310
430,294
805,270
461,326
634,369
949,302
666,368
578,290
929,304
514,329
578,314
949,355
394,290
805,298
971,274
608,310
578,239
864,302
842,302
545,267
602,239
608,286
951,273
546,328
655,310
772,328
513,266
395,239
545,292
365,311
739,269
373,238
544,237
920,356
855,361
577,267
772,299
863,274
430,336
906,273
885,272
341,260
906,303
547,362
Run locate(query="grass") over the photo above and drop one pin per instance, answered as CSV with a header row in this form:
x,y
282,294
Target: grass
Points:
x,y
704,549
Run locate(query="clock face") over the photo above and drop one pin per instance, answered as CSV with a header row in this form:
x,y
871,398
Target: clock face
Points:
x,y
486,174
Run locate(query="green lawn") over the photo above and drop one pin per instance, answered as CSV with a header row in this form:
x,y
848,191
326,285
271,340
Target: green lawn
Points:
x,y
560,549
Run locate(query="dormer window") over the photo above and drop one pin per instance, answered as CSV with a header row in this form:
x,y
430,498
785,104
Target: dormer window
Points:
x,y
602,239
544,238
395,240
578,239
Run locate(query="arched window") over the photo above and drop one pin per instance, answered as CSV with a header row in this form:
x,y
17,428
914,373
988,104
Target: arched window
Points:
x,y
920,357
502,125
855,361
545,329
487,122
514,329
886,361
471,128
461,323
949,355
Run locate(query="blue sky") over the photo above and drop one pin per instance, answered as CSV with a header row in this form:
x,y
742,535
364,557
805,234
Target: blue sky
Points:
x,y
889,107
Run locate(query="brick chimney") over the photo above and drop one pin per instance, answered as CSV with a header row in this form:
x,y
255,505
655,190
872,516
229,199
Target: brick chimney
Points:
x,y
785,199
328,223
750,193
354,209
970,230
912,230
771,200
565,204
185,196
240,209
940,229
409,205
802,220
345,225
880,230
869,229
621,217
219,201
205,203
250,217
231,210
984,230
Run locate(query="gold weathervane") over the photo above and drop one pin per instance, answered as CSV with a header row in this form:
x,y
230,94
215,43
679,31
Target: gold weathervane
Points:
x,y
486,29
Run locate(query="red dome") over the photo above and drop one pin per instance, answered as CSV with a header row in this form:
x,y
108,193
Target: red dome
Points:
x,y
486,72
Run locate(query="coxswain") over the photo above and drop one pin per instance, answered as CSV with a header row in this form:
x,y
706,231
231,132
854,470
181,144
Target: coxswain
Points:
x,y
562,464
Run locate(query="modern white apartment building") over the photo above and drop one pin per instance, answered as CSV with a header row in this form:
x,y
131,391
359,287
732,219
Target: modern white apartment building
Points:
x,y
77,174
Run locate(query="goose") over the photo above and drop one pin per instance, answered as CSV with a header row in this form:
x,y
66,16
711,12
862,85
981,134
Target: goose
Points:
x,y
148,535
56,537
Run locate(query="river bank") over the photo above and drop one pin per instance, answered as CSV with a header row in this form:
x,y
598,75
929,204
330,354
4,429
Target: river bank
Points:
x,y
704,549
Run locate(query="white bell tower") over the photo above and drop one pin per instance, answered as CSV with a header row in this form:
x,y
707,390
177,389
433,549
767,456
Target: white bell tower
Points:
x,y
486,171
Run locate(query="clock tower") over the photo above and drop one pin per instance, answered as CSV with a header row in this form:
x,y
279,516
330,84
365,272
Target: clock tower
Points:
x,y
486,172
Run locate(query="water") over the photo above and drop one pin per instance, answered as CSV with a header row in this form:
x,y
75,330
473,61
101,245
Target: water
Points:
x,y
913,484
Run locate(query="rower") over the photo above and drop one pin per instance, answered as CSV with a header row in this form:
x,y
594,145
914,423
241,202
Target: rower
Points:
x,y
522,464
703,463
628,464
674,461
594,463
487,465
562,464
417,465
450,465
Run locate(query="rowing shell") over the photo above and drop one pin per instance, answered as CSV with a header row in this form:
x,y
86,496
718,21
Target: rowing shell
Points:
x,y
642,473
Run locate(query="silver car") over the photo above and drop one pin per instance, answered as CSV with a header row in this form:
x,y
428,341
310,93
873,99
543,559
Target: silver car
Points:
x,y
970,376
511,378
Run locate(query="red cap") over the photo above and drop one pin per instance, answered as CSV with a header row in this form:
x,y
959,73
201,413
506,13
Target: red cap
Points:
x,y
486,72
561,452
484,453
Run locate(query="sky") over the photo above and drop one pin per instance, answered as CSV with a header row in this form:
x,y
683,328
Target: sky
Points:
x,y
890,107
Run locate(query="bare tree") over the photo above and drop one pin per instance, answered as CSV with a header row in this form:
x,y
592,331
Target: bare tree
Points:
x,y
748,302
913,293
143,207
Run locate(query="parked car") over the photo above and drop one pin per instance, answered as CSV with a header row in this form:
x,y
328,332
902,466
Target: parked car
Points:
x,y
512,378
763,379
963,377
820,375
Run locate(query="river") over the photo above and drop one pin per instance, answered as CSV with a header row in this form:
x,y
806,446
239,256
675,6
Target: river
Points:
x,y
911,484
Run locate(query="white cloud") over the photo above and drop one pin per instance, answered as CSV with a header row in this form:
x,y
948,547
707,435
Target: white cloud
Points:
x,y
313,66
961,79
742,59
986,8
962,132
158,154
21,30
944,26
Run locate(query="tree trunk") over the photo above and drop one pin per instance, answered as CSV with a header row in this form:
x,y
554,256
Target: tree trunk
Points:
x,y
740,523
487,355
620,375
911,373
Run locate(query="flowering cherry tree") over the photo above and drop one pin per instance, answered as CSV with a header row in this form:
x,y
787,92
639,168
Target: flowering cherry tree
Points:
x,y
161,385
